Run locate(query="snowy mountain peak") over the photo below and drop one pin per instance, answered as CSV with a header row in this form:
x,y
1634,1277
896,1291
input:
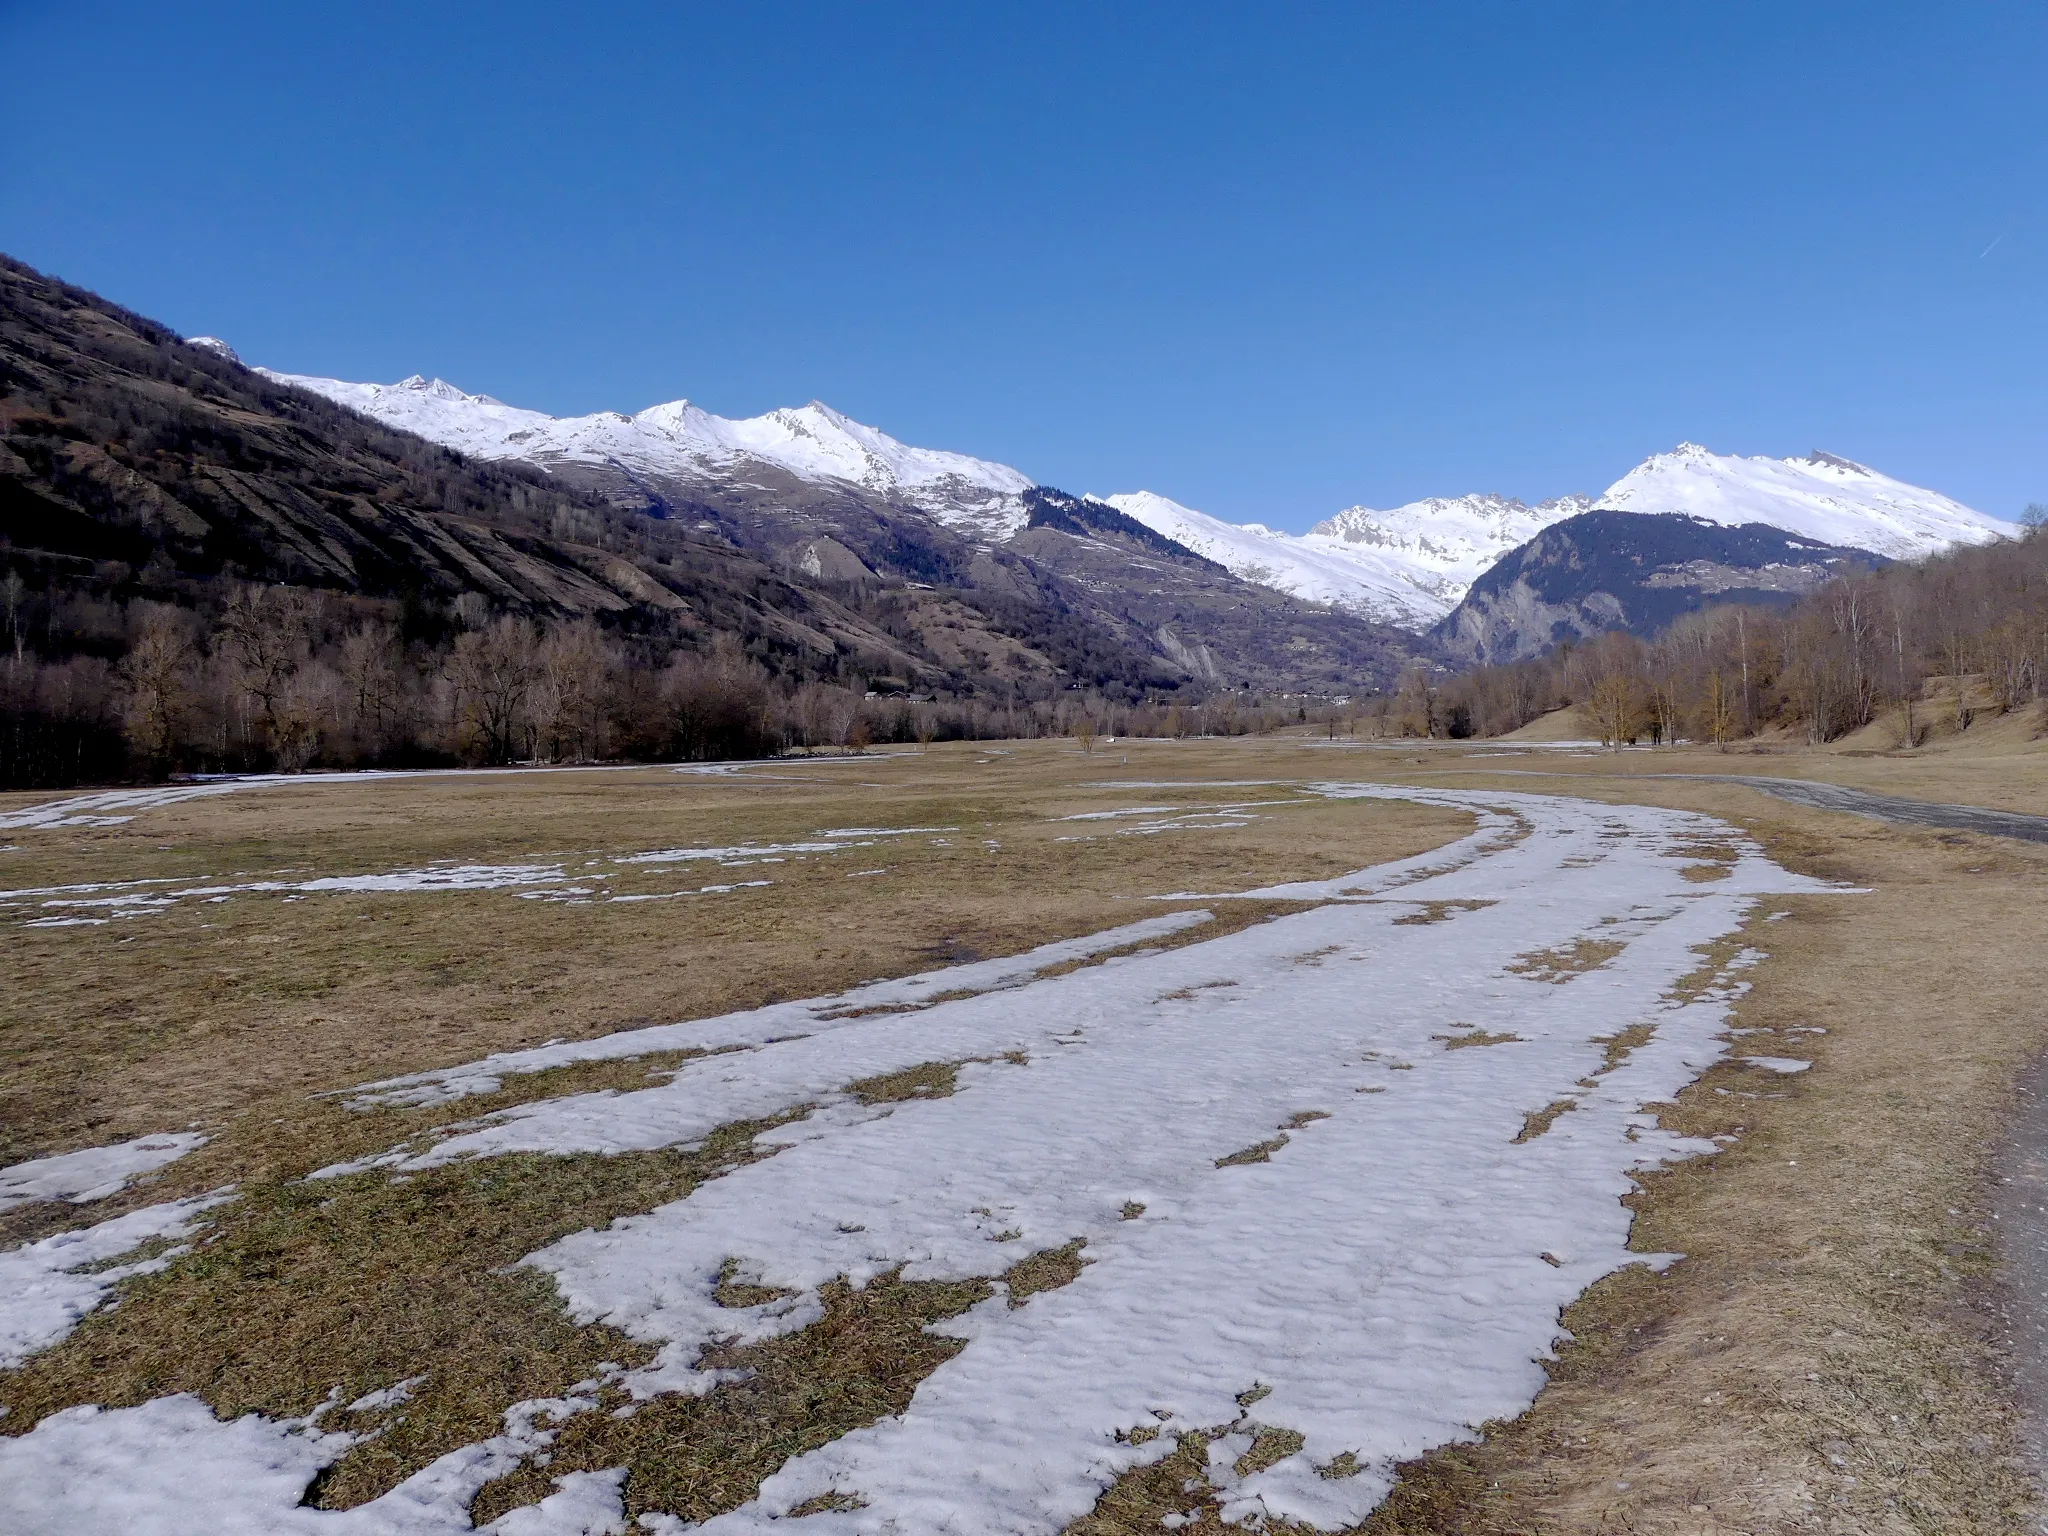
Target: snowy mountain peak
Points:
x,y
214,345
1818,457
1821,496
441,389
681,440
1407,567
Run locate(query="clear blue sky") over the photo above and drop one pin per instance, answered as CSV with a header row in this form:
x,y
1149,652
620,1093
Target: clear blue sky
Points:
x,y
1268,260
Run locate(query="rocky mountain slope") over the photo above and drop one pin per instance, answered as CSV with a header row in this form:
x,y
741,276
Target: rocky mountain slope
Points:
x,y
1413,564
784,482
1602,571
1407,567
833,502
136,465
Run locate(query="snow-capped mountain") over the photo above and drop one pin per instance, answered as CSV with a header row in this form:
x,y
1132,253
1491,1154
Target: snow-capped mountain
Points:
x,y
1407,566
1820,497
678,439
1413,564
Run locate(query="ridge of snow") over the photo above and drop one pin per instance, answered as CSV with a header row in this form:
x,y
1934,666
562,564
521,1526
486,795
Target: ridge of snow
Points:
x,y
812,442
1408,566
1821,496
214,345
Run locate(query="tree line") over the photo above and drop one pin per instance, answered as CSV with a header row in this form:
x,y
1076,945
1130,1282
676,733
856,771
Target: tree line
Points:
x,y
280,678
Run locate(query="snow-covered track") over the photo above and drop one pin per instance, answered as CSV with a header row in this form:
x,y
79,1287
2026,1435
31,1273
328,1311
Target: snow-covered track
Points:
x,y
1336,1174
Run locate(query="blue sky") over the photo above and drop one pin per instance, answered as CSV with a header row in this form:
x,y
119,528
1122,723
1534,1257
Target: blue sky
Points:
x,y
1270,261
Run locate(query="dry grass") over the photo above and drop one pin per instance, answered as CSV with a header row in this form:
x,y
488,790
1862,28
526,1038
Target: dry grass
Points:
x,y
1258,1152
1561,964
235,1016
1438,912
1824,1357
365,1281
1829,1355
1537,1122
1474,1036
203,1012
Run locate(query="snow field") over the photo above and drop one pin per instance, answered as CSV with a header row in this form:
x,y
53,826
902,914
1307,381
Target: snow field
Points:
x,y
1392,1273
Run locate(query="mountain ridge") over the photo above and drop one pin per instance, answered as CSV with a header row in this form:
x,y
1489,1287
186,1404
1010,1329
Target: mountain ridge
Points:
x,y
1407,566
680,438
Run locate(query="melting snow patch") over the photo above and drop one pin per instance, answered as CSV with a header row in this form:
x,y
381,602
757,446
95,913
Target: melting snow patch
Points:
x,y
46,1287
542,881
170,1468
1784,1066
1328,1206
762,1026
94,1173
389,1397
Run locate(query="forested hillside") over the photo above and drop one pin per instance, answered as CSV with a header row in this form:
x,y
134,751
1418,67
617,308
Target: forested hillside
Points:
x,y
1935,644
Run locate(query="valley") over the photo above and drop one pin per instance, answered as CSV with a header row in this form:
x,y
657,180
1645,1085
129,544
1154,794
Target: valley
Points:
x,y
660,972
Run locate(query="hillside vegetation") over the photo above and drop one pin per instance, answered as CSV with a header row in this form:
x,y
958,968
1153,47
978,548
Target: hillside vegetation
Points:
x,y
1859,648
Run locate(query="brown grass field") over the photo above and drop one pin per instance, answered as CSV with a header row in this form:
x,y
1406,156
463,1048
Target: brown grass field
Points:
x,y
1829,1355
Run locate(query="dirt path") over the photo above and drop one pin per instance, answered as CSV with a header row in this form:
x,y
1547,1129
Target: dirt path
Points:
x,y
1893,808
2023,1224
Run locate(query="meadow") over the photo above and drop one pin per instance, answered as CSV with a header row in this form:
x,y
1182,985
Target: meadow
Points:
x,y
239,965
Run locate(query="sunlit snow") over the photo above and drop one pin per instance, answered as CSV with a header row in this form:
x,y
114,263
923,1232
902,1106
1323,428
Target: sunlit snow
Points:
x,y
95,1172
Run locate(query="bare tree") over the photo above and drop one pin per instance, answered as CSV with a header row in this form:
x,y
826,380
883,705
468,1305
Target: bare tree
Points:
x,y
264,638
566,704
372,688
12,591
492,669
157,673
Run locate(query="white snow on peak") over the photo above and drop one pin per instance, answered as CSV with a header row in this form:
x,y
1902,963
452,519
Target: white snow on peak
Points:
x,y
214,345
812,442
1408,567
1411,565
1821,497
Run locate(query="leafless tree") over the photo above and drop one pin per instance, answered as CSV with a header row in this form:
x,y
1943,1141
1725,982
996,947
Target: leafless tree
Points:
x,y
157,673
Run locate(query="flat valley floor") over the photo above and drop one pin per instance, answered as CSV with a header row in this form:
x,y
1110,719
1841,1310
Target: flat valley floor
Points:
x,y
1319,1134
